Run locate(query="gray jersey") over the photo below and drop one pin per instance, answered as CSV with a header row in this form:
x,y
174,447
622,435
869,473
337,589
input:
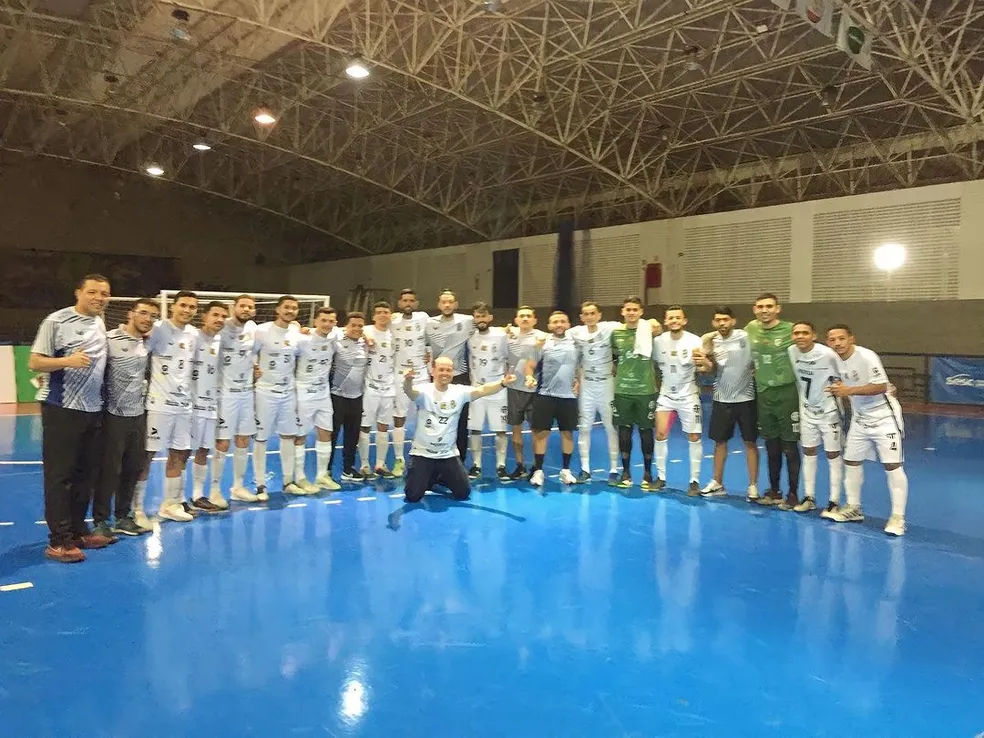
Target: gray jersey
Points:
x,y
61,334
126,374
450,338
522,349
348,376
557,368
735,378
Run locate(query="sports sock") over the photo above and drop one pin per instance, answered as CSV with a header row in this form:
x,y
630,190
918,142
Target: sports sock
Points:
x,y
259,463
773,453
853,478
898,488
240,457
218,468
172,492
662,451
538,461
567,461
399,442
625,446
696,456
790,449
198,474
647,439
382,447
287,460
584,446
501,447
300,456
612,436
836,467
475,442
322,451
139,493
810,475
364,450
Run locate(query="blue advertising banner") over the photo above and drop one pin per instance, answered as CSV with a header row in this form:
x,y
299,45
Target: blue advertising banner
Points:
x,y
956,381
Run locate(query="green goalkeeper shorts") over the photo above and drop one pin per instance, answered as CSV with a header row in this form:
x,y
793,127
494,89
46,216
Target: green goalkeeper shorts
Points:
x,y
778,413
638,410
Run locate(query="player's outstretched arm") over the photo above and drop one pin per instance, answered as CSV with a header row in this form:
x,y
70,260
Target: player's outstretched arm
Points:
x,y
838,389
408,385
492,387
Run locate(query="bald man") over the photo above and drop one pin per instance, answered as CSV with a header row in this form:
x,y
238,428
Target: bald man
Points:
x,y
433,453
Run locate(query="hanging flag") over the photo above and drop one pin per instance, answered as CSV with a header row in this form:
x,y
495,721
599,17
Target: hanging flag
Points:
x,y
783,4
819,14
855,40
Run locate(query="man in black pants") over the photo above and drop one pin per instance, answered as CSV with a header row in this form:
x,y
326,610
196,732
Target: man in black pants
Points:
x,y
71,349
348,376
433,456
447,335
124,423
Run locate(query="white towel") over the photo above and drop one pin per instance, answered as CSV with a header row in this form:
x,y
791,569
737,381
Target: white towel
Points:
x,y
644,339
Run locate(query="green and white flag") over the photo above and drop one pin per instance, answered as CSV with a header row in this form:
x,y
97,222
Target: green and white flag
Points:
x,y
819,14
855,40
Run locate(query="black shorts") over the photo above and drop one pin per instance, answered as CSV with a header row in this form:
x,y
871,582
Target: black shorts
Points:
x,y
548,409
519,406
726,415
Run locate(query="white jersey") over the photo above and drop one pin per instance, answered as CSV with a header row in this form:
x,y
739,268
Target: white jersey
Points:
x,y
488,354
436,435
594,349
236,350
675,358
172,353
411,344
315,356
276,354
381,369
734,379
815,370
204,374
861,368
449,338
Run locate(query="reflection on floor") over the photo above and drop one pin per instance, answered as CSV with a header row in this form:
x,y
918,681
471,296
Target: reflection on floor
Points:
x,y
580,613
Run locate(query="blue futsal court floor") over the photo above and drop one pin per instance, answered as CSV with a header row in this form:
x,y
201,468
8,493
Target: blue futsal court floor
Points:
x,y
593,612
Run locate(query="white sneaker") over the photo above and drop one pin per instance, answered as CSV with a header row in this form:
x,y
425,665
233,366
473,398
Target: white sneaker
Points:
x,y
174,511
399,467
218,500
895,526
567,477
241,494
806,505
261,494
713,489
141,519
752,495
309,487
536,479
326,482
848,514
293,488
829,511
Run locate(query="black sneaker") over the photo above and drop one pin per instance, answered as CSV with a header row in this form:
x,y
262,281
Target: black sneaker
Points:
x,y
193,512
502,475
351,475
103,529
127,527
613,480
693,490
519,473
583,477
475,472
203,504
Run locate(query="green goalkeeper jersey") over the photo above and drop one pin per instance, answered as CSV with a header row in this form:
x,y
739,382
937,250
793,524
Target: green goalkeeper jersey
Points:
x,y
634,374
772,365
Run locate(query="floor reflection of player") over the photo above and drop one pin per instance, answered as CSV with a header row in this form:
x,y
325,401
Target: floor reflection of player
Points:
x,y
594,569
676,587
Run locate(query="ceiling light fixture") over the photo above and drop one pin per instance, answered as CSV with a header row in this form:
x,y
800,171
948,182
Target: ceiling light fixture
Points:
x,y
761,28
264,116
154,170
357,68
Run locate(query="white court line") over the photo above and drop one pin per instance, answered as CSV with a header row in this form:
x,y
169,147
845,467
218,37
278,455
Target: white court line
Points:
x,y
396,494
297,504
364,499
708,456
40,522
332,502
929,448
6,522
15,587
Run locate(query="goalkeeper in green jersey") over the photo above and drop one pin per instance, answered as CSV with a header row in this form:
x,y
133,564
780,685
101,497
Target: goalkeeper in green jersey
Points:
x,y
636,384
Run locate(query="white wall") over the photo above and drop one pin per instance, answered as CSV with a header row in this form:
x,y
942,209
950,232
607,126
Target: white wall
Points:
x,y
808,252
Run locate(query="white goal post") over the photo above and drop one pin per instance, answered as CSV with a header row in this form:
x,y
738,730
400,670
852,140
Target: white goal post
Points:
x,y
266,302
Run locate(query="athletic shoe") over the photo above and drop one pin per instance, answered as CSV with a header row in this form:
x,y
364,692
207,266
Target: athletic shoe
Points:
x,y
326,482
693,490
713,489
583,477
366,472
625,481
128,527
567,477
790,503
828,513
351,475
848,514
189,509
307,486
613,480
895,526
91,540
536,478
218,501
399,468
502,475
772,498
64,554
261,493
652,485
104,530
806,505
293,488
205,505
518,473
142,521
241,494
174,511
475,472
383,473
752,495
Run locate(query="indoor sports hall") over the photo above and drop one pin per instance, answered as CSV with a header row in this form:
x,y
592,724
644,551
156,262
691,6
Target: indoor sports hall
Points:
x,y
694,158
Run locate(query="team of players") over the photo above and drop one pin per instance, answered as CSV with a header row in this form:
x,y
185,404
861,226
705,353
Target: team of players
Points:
x,y
234,381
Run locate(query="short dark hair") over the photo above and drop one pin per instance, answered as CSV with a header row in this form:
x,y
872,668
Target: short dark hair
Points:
x,y
590,303
380,305
841,327
807,323
286,298
451,293
355,315
632,300
325,310
145,301
482,307
408,291
92,278
185,293
525,307
558,312
767,296
243,297
724,310
216,304
675,307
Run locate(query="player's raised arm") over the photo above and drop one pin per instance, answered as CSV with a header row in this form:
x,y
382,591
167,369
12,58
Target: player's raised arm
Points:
x,y
408,384
492,387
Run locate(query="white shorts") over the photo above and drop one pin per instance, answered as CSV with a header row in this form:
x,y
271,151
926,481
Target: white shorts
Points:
x,y
202,432
377,409
817,428
596,398
315,412
884,437
276,415
237,416
688,410
491,409
168,431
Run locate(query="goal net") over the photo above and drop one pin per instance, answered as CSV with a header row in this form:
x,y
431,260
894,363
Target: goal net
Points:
x,y
266,303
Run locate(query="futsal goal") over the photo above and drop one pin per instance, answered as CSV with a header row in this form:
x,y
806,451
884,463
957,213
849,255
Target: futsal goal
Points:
x,y
266,303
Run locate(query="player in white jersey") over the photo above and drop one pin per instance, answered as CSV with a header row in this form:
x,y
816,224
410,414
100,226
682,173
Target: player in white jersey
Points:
x,y
408,326
815,366
447,335
237,414
205,406
275,349
674,353
70,349
729,357
380,390
488,354
554,375
523,344
876,423
597,385
315,357
171,346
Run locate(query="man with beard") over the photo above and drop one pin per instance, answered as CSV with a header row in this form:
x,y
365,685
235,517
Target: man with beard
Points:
x,y
488,351
408,327
447,335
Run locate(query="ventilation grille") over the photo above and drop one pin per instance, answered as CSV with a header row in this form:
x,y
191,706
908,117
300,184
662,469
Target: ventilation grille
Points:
x,y
539,265
844,243
437,272
608,269
735,262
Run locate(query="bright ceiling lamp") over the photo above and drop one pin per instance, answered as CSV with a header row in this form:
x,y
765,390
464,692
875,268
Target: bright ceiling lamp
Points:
x,y
889,256
201,146
154,170
357,69
264,116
